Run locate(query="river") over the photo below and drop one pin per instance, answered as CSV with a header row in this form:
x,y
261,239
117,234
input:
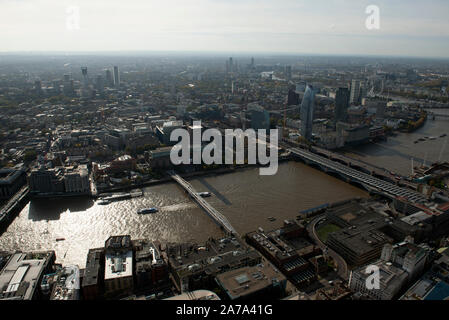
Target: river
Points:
x,y
244,197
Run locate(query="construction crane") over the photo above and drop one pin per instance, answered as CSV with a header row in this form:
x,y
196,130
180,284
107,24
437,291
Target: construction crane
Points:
x,y
285,115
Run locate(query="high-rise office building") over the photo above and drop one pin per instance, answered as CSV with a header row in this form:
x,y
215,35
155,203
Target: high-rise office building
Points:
x,y
355,91
68,85
288,72
85,92
109,78
99,83
293,97
57,86
341,104
84,74
116,77
307,107
358,92
231,65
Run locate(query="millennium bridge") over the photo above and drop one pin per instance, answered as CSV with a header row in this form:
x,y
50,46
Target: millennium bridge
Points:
x,y
211,211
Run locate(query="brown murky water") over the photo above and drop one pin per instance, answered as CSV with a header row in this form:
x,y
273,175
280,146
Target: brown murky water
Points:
x,y
246,198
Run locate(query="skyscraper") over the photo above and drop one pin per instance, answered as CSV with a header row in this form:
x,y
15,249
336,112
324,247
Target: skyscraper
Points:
x,y
293,97
355,91
109,78
307,107
99,83
288,72
116,77
341,104
358,92
85,78
68,85
85,87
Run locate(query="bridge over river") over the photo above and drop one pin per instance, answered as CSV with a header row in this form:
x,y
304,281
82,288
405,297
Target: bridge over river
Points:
x,y
220,219
369,182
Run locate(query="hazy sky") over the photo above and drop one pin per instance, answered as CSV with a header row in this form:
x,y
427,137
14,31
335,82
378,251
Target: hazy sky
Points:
x,y
407,27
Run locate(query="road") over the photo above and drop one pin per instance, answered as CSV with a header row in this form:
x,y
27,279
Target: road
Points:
x,y
342,266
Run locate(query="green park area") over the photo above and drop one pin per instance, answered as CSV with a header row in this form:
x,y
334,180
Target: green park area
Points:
x,y
324,230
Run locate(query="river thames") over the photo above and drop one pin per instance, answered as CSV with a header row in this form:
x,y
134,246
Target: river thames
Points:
x,y
244,197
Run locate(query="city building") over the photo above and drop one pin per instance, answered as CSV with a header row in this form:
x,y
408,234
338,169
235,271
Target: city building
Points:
x,y
391,281
11,180
263,281
377,133
357,92
288,72
118,270
99,84
341,104
337,291
293,97
46,181
409,256
164,132
68,86
260,118
195,266
85,90
151,270
4,258
289,250
59,181
399,264
353,135
160,158
197,295
20,278
118,165
358,245
109,78
116,77
67,284
76,179
434,284
307,107
93,278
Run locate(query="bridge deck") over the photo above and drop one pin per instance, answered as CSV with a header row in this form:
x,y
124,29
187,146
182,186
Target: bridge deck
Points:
x,y
360,177
6,209
217,216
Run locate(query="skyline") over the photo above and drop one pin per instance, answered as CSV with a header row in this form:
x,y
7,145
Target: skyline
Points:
x,y
407,28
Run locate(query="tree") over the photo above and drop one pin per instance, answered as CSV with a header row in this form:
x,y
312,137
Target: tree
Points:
x,y
30,156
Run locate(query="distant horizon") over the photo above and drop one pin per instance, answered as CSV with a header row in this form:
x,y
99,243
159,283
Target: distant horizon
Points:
x,y
381,28
207,53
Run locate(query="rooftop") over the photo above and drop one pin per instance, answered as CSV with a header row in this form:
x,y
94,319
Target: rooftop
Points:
x,y
212,257
196,295
21,275
68,284
93,266
245,281
118,265
360,241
